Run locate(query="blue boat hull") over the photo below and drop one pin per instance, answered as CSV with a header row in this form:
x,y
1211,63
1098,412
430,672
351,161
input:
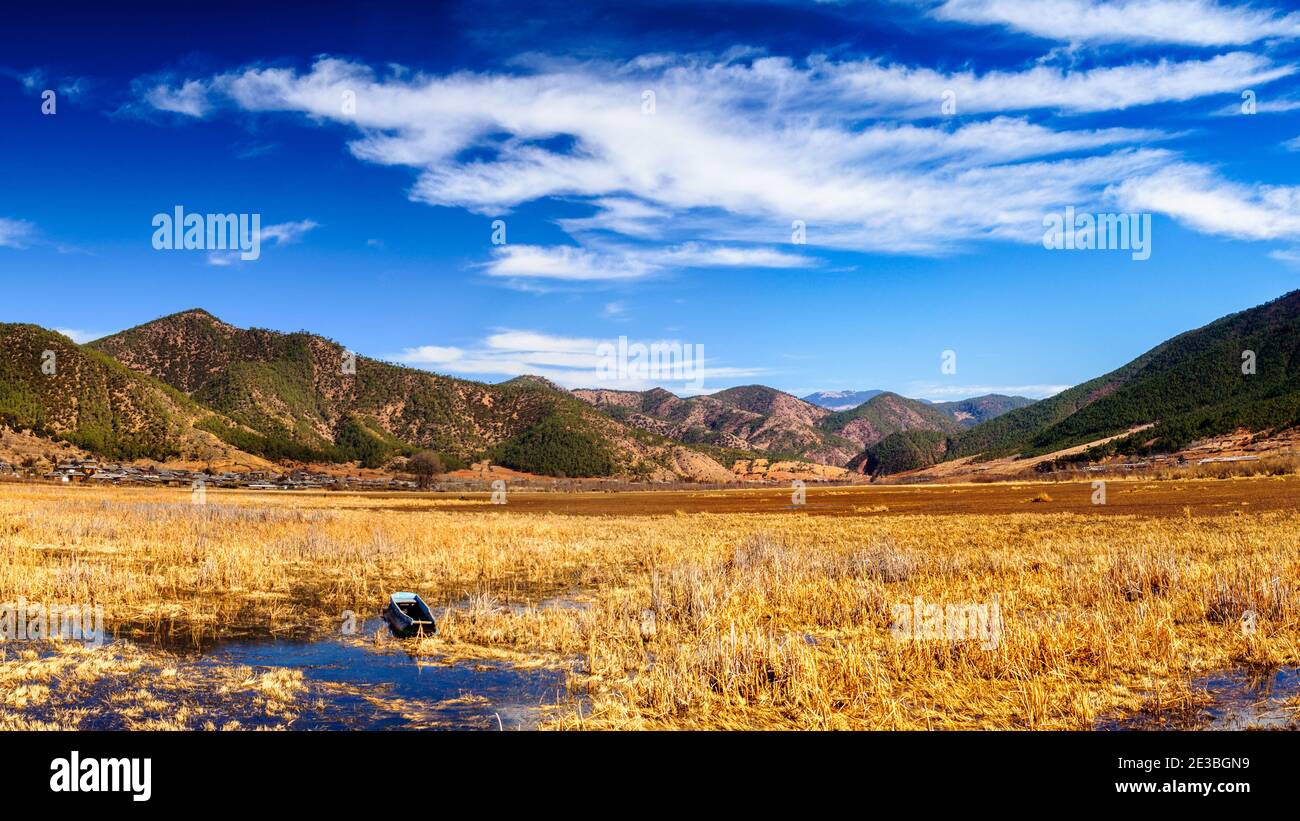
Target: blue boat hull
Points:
x,y
416,620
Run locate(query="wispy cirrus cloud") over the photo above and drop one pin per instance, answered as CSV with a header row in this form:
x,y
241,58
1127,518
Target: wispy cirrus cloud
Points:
x,y
287,233
23,234
700,255
1186,22
565,262
40,80
190,98
15,233
1268,105
736,151
281,233
1290,256
916,91
1195,196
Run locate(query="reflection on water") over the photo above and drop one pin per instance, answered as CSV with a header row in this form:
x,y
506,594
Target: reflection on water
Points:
x,y
1236,700
364,686
1246,700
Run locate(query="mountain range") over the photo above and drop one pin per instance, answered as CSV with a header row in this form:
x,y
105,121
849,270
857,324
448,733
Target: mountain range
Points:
x,y
759,418
189,384
840,400
300,396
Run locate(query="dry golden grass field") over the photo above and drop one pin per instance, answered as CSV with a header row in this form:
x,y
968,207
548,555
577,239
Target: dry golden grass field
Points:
x,y
718,609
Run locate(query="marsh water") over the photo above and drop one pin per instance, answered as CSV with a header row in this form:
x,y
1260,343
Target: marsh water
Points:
x,y
376,687
1237,700
1246,700
365,680
359,678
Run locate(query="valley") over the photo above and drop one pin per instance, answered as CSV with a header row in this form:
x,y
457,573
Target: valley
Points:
x,y
728,609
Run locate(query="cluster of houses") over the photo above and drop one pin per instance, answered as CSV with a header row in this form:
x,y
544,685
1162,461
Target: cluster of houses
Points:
x,y
1181,462
91,470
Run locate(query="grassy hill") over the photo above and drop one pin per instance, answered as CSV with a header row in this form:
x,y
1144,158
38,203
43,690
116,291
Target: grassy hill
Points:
x,y
900,451
971,412
1189,387
89,400
888,413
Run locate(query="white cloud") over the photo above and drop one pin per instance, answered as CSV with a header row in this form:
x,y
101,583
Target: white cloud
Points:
x,y
562,262
1290,256
1292,144
281,233
698,255
571,362
40,80
16,233
189,98
737,151
945,393
1189,22
1197,197
287,233
1262,105
79,336
429,355
918,91
567,262
620,215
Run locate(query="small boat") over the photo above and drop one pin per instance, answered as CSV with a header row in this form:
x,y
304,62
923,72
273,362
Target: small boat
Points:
x,y
407,616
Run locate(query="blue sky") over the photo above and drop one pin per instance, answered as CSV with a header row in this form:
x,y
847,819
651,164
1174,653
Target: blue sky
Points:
x,y
924,224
